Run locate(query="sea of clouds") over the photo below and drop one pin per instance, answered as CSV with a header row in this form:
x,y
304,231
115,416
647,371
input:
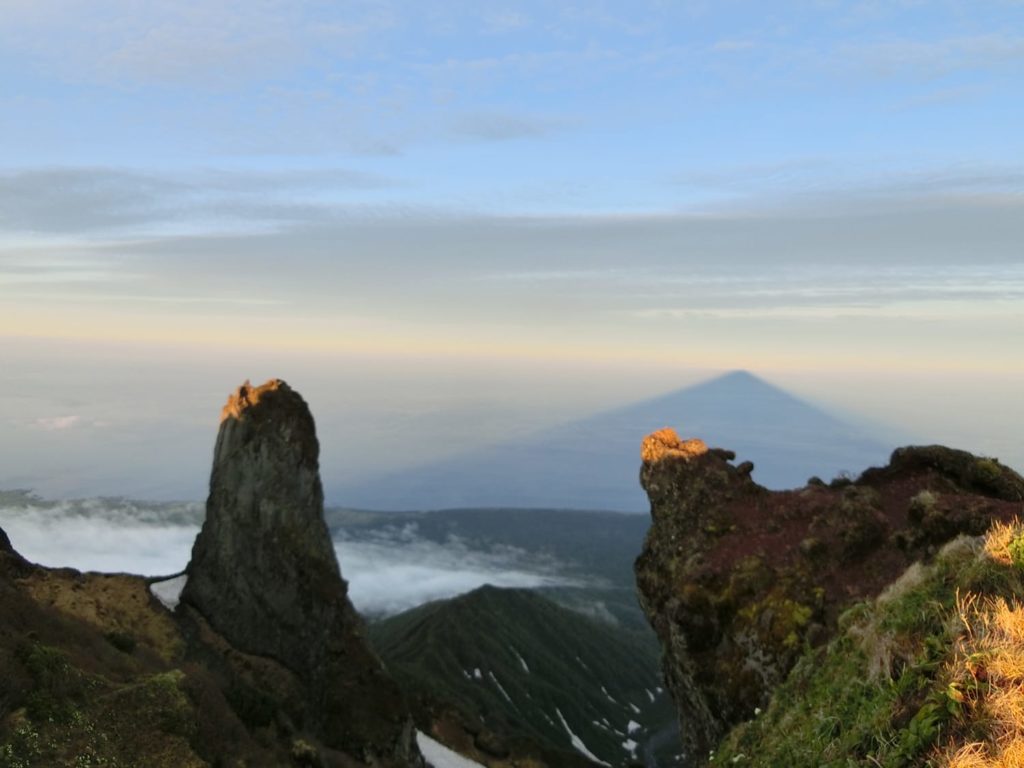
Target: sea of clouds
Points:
x,y
394,568
388,569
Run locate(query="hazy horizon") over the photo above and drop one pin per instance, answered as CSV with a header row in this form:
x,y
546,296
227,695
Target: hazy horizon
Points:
x,y
446,225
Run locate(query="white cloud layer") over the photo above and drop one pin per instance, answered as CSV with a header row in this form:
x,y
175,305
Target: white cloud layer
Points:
x,y
108,535
387,573
399,570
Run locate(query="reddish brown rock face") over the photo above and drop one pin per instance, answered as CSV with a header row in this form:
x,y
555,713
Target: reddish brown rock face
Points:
x,y
737,580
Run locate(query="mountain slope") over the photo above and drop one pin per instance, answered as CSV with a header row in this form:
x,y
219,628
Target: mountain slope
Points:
x,y
927,674
737,580
533,670
592,463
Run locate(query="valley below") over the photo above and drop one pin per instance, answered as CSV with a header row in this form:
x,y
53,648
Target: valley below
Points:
x,y
727,625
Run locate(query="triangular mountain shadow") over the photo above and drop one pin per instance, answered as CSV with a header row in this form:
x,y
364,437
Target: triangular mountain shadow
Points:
x,y
593,463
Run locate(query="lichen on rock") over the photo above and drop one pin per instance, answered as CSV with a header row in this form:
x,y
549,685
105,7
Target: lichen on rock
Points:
x,y
738,581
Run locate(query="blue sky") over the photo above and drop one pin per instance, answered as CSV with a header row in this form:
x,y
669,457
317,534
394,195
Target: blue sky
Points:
x,y
516,202
523,107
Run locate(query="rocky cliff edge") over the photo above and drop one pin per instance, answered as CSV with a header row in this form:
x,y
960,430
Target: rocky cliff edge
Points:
x,y
262,664
738,581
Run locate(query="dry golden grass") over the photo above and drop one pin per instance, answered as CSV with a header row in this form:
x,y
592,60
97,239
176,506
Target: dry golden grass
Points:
x,y
666,442
109,602
988,671
998,538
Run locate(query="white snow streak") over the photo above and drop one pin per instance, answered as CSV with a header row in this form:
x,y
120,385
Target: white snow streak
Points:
x,y
500,688
439,756
168,592
577,742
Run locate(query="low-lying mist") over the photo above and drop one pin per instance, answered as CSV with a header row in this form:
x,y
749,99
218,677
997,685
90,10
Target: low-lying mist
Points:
x,y
389,570
111,535
394,569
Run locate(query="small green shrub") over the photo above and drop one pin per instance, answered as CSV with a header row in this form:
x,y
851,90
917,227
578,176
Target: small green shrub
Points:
x,y
59,687
1016,550
987,471
23,750
923,503
842,480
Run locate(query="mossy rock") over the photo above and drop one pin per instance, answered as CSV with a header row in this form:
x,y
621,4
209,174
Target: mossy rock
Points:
x,y
878,693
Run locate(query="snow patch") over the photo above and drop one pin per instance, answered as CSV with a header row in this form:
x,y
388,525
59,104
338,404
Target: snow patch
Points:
x,y
630,746
634,707
503,691
632,726
605,692
522,661
651,694
577,742
439,756
169,592
477,674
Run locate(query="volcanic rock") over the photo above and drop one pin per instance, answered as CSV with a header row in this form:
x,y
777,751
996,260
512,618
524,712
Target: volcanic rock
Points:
x,y
263,570
264,582
737,580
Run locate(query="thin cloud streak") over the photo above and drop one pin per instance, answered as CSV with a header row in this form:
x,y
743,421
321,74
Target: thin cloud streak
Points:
x,y
58,423
497,126
87,200
936,57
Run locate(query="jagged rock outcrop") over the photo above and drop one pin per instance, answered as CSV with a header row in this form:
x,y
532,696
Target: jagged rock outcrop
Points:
x,y
10,561
263,571
737,580
263,664
264,582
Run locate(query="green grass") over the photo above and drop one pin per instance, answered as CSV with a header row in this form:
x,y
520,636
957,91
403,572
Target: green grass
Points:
x,y
878,694
73,719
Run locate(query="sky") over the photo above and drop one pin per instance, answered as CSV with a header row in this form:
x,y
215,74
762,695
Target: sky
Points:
x,y
444,222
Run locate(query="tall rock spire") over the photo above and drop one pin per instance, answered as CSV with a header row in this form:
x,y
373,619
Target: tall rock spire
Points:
x,y
263,570
264,578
